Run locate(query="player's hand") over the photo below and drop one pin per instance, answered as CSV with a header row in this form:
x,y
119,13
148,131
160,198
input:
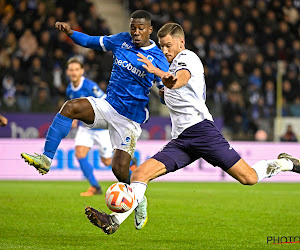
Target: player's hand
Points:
x,y
3,121
148,64
64,27
169,80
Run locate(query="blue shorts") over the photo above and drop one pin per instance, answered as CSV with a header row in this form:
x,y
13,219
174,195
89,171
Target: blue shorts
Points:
x,y
202,140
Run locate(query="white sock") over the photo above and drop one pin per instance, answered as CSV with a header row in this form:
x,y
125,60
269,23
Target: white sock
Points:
x,y
49,159
286,164
139,189
267,169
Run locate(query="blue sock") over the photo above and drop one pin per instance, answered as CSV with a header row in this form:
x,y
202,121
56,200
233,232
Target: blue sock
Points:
x,y
128,179
87,170
58,130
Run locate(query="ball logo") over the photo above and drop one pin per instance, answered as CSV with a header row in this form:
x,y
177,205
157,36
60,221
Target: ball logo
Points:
x,y
119,197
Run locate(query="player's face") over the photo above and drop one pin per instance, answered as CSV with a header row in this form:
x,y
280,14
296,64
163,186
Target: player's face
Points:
x,y
140,31
74,71
171,46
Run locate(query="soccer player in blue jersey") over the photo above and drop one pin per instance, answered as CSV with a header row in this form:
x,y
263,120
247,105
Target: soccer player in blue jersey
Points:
x,y
194,134
85,138
125,106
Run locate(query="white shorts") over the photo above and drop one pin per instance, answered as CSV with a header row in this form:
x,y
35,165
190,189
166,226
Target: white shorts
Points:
x,y
123,131
87,137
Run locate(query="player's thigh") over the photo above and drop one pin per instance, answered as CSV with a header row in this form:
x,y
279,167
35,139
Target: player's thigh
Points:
x,y
99,107
207,142
148,170
80,109
242,172
174,155
102,140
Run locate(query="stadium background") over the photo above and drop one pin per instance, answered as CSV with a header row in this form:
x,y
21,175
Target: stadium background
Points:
x,y
241,44
250,51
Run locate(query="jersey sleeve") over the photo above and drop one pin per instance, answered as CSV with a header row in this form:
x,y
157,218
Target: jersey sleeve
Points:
x,y
108,43
183,63
84,40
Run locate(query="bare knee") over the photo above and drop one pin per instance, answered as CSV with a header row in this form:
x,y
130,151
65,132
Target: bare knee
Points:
x,y
81,152
106,161
70,108
138,175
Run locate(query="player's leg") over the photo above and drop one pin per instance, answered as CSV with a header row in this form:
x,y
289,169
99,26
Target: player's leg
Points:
x,y
172,157
109,223
79,109
217,151
123,134
87,169
140,177
84,141
120,165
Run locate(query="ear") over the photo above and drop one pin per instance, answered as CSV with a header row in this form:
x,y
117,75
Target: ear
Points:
x,y
150,30
182,42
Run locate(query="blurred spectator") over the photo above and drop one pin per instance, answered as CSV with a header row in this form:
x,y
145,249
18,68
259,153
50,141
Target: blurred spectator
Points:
x,y
288,94
289,135
261,135
41,103
270,98
233,111
28,45
255,78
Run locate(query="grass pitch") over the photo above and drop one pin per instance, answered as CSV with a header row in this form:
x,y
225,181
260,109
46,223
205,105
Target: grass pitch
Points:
x,y
50,215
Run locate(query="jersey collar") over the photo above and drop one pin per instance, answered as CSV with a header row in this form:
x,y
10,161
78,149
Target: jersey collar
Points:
x,y
152,45
79,86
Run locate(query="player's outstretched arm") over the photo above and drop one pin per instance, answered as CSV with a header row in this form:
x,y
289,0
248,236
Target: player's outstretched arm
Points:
x,y
79,38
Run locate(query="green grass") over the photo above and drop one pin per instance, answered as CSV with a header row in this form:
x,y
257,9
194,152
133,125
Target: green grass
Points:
x,y
50,215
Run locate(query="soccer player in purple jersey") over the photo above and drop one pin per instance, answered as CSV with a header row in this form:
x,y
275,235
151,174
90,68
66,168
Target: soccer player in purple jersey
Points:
x,y
194,134
125,106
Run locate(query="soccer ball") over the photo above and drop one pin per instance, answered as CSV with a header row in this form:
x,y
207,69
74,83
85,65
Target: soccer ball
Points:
x,y
119,197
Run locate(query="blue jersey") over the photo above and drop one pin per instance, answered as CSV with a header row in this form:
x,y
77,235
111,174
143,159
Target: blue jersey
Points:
x,y
129,85
85,88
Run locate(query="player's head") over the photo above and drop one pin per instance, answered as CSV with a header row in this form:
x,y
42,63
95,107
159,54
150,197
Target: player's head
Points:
x,y
171,40
75,69
140,28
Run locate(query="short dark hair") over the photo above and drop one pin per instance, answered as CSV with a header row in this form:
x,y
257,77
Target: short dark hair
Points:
x,y
173,29
141,14
74,60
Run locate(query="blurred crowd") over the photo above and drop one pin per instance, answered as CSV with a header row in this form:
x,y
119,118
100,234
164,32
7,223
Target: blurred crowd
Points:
x,y
33,54
239,42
